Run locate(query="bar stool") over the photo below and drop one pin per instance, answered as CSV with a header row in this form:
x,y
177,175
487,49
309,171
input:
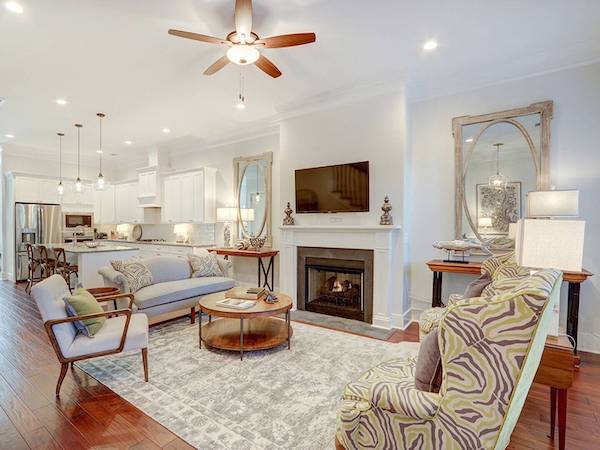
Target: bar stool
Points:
x,y
63,268
34,264
47,262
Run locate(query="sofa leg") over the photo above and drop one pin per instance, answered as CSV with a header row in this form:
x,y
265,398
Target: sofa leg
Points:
x,y
338,445
193,315
63,371
145,361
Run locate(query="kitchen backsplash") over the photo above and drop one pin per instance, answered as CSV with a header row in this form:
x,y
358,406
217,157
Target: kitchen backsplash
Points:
x,y
200,234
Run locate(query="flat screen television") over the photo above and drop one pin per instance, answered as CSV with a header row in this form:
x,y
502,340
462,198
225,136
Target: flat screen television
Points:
x,y
339,188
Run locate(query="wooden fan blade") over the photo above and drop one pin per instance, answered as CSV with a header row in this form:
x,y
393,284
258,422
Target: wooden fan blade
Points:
x,y
243,17
267,67
217,65
197,37
287,40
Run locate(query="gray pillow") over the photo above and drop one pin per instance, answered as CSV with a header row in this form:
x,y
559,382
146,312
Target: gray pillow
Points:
x,y
476,287
135,271
428,372
205,265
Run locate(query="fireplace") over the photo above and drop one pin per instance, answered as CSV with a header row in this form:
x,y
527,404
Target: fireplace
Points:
x,y
337,282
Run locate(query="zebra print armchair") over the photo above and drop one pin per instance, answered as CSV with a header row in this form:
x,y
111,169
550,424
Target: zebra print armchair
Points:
x,y
490,347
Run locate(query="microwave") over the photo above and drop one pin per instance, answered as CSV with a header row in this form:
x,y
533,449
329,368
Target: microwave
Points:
x,y
74,220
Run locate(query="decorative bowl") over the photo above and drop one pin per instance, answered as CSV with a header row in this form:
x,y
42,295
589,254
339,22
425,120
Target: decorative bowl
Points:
x,y
91,244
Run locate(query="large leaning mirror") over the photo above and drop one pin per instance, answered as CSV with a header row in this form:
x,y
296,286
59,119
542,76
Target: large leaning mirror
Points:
x,y
500,157
253,196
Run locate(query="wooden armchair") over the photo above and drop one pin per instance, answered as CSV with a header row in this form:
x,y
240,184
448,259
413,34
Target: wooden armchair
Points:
x,y
122,331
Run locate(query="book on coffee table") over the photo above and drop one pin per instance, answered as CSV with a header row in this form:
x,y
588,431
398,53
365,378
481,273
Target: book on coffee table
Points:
x,y
236,303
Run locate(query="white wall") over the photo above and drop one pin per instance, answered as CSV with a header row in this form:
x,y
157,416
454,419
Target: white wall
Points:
x,y
575,163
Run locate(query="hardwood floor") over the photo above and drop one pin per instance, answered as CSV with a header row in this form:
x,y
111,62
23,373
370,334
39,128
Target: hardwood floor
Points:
x,y
89,415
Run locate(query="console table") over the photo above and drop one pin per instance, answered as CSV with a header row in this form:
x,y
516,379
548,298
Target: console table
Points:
x,y
438,267
259,255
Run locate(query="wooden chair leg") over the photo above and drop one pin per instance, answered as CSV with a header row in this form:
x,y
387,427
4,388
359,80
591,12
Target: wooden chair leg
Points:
x,y
193,315
553,395
145,361
338,445
63,371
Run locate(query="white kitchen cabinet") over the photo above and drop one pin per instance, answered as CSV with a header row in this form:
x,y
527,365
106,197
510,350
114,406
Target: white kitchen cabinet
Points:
x,y
148,183
190,197
104,206
126,205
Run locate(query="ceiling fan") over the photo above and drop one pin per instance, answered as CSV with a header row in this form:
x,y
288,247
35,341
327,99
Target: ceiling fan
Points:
x,y
244,44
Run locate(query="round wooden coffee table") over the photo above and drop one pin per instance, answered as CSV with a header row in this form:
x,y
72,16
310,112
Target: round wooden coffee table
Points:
x,y
255,328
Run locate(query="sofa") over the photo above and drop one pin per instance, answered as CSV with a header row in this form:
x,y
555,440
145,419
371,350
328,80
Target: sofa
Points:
x,y
490,349
173,291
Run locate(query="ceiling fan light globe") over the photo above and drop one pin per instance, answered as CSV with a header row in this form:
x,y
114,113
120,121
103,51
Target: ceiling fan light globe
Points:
x,y
243,54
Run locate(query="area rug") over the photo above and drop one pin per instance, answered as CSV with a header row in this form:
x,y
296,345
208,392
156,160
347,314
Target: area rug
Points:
x,y
273,399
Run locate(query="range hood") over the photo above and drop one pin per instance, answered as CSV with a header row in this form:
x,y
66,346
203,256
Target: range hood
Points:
x,y
149,180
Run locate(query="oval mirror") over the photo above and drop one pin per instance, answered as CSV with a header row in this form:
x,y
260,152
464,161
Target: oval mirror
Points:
x,y
500,165
252,200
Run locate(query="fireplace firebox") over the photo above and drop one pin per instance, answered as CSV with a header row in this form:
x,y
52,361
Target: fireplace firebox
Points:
x,y
336,282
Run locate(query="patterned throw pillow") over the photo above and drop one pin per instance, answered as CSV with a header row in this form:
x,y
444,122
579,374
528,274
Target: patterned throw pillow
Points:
x,y
136,272
205,265
80,303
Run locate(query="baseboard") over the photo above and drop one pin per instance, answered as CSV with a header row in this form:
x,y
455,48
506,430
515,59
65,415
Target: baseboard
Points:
x,y
588,342
402,321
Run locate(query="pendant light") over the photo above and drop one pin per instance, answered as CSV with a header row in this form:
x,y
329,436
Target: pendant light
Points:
x,y
78,184
100,182
498,181
241,99
60,189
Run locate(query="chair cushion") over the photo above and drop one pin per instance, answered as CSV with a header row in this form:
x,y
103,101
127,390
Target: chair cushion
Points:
x,y
136,272
428,371
109,337
48,296
82,303
205,265
173,291
168,268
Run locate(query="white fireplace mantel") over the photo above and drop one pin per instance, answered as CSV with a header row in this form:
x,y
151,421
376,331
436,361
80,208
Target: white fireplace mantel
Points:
x,y
384,240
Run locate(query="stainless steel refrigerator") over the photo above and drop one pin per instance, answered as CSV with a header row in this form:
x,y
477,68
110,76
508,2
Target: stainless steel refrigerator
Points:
x,y
34,224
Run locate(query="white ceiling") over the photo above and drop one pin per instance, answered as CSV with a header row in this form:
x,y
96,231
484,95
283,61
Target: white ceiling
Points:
x,y
115,56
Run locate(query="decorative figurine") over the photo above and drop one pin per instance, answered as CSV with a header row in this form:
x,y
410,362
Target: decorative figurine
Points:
x,y
257,242
243,244
386,217
288,219
461,247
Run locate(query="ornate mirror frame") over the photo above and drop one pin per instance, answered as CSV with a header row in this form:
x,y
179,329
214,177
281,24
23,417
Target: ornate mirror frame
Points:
x,y
544,109
239,167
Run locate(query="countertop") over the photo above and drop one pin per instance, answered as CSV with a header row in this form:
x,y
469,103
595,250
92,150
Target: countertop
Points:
x,y
81,248
172,244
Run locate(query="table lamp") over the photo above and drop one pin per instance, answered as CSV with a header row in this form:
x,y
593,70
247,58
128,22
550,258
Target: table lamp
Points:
x,y
227,215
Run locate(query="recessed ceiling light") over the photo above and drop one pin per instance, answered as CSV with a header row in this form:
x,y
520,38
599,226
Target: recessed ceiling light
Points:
x,y
469,140
430,45
128,142
9,136
166,130
61,101
14,7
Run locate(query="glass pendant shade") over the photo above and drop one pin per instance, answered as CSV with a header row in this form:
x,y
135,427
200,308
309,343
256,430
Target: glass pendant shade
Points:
x,y
78,185
243,54
498,181
60,189
100,182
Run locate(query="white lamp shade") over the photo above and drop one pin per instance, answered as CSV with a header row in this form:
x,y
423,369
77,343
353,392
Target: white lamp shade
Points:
x,y
553,204
247,214
227,214
545,244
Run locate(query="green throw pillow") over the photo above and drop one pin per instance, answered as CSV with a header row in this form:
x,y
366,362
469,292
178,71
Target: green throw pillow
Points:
x,y
81,302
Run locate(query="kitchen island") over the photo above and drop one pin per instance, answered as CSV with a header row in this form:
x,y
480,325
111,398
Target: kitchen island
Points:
x,y
89,260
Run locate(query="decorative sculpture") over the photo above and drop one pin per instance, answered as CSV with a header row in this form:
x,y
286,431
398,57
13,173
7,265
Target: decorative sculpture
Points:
x,y
288,219
257,242
243,244
460,246
386,217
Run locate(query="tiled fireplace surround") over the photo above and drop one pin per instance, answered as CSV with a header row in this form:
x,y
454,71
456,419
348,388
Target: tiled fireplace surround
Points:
x,y
389,309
